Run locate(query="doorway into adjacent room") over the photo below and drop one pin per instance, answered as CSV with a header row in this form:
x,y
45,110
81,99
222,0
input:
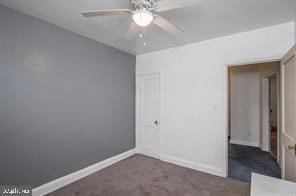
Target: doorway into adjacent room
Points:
x,y
271,103
253,100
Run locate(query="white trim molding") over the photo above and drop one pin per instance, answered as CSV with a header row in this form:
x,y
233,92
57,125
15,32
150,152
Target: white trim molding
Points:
x,y
193,165
65,180
244,143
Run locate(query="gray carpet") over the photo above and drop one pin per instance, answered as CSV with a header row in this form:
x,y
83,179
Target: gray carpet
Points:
x,y
243,160
143,176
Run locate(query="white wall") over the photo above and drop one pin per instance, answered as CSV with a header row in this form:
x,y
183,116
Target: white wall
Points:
x,y
295,21
194,93
245,105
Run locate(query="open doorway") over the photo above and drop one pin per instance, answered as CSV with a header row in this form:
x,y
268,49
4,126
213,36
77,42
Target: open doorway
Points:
x,y
271,135
253,99
273,119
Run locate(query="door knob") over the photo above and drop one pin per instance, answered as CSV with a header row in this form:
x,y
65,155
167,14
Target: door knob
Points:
x,y
156,123
291,147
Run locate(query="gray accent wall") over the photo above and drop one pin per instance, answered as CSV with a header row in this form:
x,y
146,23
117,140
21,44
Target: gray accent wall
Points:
x,y
66,101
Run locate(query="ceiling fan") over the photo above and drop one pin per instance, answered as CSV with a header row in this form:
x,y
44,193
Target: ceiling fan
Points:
x,y
143,14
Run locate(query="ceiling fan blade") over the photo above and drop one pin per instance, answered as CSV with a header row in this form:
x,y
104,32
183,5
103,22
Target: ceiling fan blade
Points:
x,y
132,31
165,5
167,26
106,12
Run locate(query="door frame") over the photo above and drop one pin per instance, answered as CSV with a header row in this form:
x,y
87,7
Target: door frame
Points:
x,y
266,110
138,112
226,65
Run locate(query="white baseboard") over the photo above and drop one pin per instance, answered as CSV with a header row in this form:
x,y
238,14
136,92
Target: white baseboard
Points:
x,y
193,165
65,180
244,143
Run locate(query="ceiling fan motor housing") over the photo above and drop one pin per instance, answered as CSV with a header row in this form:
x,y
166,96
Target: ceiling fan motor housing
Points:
x,y
146,4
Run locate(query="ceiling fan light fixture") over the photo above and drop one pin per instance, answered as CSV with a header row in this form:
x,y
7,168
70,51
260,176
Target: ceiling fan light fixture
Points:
x,y
143,17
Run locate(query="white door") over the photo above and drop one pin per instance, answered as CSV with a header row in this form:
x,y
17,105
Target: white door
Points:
x,y
288,132
149,111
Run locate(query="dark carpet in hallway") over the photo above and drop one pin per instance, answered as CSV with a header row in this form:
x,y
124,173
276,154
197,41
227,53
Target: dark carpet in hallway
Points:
x,y
243,160
143,176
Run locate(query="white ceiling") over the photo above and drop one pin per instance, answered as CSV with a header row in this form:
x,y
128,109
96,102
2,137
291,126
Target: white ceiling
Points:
x,y
210,19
